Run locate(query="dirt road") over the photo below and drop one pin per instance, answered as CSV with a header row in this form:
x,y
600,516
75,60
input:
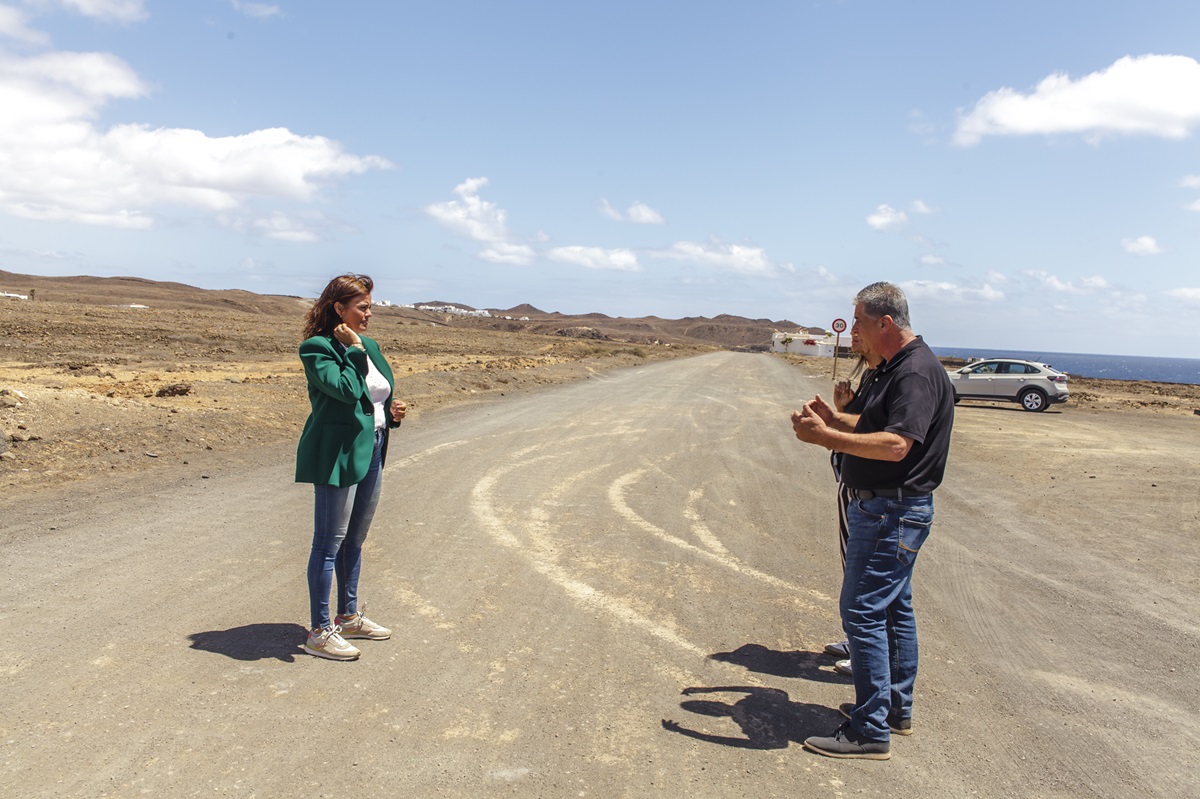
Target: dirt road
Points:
x,y
618,587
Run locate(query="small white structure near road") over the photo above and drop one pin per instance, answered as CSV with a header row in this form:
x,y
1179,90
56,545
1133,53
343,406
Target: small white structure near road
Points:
x,y
804,342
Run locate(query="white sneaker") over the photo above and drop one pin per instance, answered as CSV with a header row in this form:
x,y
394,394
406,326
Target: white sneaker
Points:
x,y
843,667
328,643
359,626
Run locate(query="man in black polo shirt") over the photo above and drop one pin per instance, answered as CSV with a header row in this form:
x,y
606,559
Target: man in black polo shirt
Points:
x,y
895,456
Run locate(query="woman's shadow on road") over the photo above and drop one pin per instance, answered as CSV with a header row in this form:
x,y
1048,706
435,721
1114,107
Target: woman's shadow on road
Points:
x,y
801,665
265,641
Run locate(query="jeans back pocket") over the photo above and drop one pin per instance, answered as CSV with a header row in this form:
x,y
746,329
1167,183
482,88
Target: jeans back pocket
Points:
x,y
914,525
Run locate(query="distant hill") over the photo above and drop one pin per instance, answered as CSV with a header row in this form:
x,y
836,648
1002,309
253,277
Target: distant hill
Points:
x,y
524,309
140,291
724,331
443,304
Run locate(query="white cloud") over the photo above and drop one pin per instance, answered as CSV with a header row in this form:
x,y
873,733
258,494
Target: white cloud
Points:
x,y
1123,306
1142,245
12,26
639,213
737,258
932,260
1190,182
115,10
469,215
886,219
596,258
49,255
1046,280
272,162
921,207
259,10
1049,281
1093,283
1191,295
301,228
1157,95
61,89
56,164
484,221
950,292
612,213
824,275
996,277
504,253
284,228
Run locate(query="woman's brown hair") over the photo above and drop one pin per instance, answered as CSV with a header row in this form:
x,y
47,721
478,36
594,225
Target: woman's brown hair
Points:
x,y
323,317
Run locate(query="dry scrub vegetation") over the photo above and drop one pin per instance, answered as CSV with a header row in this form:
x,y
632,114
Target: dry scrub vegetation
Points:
x,y
91,388
88,389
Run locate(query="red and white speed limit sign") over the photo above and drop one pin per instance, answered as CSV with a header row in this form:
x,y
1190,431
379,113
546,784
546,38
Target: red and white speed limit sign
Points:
x,y
839,325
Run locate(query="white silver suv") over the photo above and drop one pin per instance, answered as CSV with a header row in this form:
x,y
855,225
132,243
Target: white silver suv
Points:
x,y
1034,385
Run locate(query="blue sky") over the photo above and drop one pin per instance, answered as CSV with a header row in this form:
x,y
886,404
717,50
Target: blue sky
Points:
x,y
1027,171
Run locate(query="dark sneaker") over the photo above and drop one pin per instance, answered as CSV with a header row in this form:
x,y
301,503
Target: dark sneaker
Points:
x,y
840,650
896,724
846,743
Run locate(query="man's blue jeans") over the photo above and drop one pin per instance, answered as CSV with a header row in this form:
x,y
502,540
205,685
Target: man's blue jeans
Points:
x,y
341,519
876,607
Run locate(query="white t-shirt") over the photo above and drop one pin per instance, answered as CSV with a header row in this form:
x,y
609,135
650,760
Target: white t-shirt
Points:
x,y
379,391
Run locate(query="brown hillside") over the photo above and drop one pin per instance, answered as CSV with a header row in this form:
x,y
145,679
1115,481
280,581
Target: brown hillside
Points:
x,y
723,331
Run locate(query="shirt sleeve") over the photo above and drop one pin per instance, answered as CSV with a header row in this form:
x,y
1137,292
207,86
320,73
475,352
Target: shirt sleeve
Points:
x,y
345,381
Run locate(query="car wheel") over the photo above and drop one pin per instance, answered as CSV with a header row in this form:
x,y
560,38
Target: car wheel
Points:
x,y
1033,400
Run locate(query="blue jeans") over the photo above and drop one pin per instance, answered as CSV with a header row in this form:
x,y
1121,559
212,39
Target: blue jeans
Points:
x,y
341,519
876,607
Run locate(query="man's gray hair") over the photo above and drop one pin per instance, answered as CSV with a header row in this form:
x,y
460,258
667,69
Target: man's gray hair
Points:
x,y
885,299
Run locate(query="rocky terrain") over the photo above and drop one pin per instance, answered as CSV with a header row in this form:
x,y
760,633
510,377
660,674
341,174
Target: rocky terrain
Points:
x,y
103,375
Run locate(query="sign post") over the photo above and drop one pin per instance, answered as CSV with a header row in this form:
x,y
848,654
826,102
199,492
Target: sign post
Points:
x,y
839,327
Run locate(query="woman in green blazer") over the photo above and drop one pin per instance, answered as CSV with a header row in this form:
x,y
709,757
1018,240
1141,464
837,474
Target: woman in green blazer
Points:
x,y
342,451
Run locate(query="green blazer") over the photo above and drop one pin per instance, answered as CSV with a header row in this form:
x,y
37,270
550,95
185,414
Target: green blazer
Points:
x,y
339,437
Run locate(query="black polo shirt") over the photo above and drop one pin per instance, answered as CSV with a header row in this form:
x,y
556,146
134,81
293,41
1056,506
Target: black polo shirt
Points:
x,y
910,395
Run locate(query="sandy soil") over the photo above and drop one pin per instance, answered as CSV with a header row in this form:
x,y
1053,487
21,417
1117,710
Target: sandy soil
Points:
x,y
97,389
1059,596
619,587
89,389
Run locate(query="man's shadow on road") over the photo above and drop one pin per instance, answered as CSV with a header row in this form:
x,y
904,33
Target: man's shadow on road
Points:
x,y
253,641
802,665
768,719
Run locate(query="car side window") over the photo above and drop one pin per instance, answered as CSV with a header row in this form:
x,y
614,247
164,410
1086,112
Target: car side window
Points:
x,y
984,369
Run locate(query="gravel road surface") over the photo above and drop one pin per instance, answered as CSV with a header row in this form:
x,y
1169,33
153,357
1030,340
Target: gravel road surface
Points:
x,y
614,588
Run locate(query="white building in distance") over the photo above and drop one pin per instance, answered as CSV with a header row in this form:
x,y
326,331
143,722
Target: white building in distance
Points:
x,y
804,342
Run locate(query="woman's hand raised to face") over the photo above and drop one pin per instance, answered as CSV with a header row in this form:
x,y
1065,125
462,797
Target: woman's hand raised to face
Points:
x,y
842,394
347,336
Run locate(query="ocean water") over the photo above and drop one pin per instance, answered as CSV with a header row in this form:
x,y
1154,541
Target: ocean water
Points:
x,y
1111,367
